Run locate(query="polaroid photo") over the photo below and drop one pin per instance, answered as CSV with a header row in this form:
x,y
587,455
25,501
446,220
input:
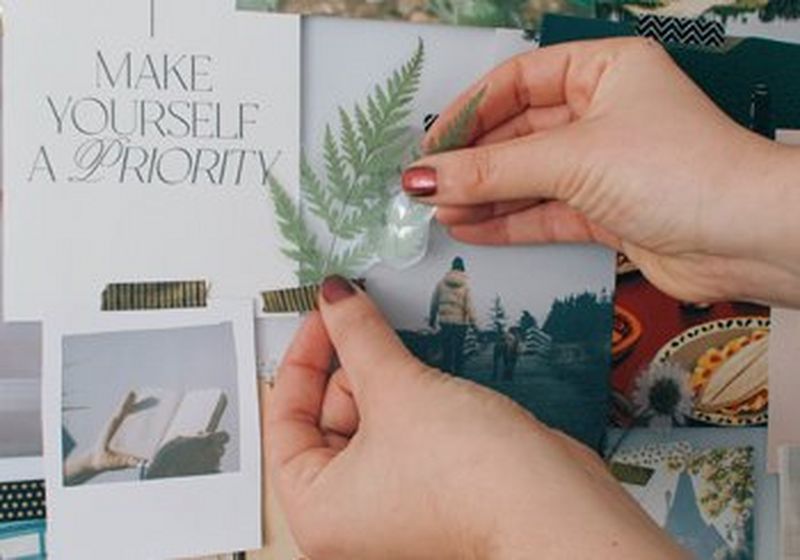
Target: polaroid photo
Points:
x,y
151,432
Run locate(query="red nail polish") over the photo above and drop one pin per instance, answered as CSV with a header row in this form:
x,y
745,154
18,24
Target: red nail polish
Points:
x,y
419,181
336,288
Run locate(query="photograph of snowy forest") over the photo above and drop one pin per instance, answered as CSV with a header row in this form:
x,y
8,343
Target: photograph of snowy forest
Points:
x,y
533,323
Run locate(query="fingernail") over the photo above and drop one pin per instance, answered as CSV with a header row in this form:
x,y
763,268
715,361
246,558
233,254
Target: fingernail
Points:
x,y
336,288
419,181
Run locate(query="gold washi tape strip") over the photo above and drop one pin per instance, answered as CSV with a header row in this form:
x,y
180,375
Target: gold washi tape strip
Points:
x,y
154,295
291,300
296,300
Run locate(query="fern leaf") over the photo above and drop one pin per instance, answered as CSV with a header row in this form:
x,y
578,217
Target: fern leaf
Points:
x,y
457,132
362,219
350,141
339,183
360,162
364,128
382,101
319,200
352,261
374,113
302,244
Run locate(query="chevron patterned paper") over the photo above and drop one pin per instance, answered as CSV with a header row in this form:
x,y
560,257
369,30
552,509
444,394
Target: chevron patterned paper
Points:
x,y
684,31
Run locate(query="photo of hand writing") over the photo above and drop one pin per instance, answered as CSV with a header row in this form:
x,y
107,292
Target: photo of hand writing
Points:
x,y
142,405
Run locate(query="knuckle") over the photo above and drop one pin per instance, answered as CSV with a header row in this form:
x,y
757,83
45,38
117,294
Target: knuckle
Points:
x,y
484,165
359,322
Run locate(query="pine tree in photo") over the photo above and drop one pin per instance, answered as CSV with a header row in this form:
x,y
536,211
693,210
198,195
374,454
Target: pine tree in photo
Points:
x,y
498,317
472,346
534,340
527,321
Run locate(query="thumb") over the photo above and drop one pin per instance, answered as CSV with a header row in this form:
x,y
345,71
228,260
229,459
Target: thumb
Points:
x,y
367,347
536,166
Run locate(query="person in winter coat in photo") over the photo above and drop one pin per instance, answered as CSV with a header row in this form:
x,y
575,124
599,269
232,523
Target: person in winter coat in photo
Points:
x,y
507,348
451,307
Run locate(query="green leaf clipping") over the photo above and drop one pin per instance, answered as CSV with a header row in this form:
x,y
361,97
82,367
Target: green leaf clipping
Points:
x,y
456,135
348,199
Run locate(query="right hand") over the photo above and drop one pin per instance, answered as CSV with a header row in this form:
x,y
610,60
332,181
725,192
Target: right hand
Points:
x,y
608,141
189,456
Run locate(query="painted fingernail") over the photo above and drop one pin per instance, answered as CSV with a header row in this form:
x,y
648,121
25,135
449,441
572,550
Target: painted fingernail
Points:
x,y
419,181
336,288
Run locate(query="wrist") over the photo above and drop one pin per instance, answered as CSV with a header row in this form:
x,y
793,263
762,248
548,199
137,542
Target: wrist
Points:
x,y
596,518
599,538
79,470
758,225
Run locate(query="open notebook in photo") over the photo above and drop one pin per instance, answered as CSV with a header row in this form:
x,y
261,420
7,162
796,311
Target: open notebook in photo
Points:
x,y
162,416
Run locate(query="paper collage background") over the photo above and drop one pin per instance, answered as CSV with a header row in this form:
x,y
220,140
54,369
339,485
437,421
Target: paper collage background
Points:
x,y
447,68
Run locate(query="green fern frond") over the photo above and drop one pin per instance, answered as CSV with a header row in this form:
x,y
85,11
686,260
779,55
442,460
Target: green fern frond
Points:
x,y
351,261
339,182
302,243
364,128
457,133
362,219
349,198
351,143
318,199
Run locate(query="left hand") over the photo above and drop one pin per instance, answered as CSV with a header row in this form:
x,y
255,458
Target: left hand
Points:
x,y
102,458
389,458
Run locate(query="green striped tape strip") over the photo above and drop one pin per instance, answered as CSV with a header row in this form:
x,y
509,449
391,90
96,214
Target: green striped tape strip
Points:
x,y
295,300
154,295
631,474
291,300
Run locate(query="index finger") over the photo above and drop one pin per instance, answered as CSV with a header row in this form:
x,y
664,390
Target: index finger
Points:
x,y
297,447
542,77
